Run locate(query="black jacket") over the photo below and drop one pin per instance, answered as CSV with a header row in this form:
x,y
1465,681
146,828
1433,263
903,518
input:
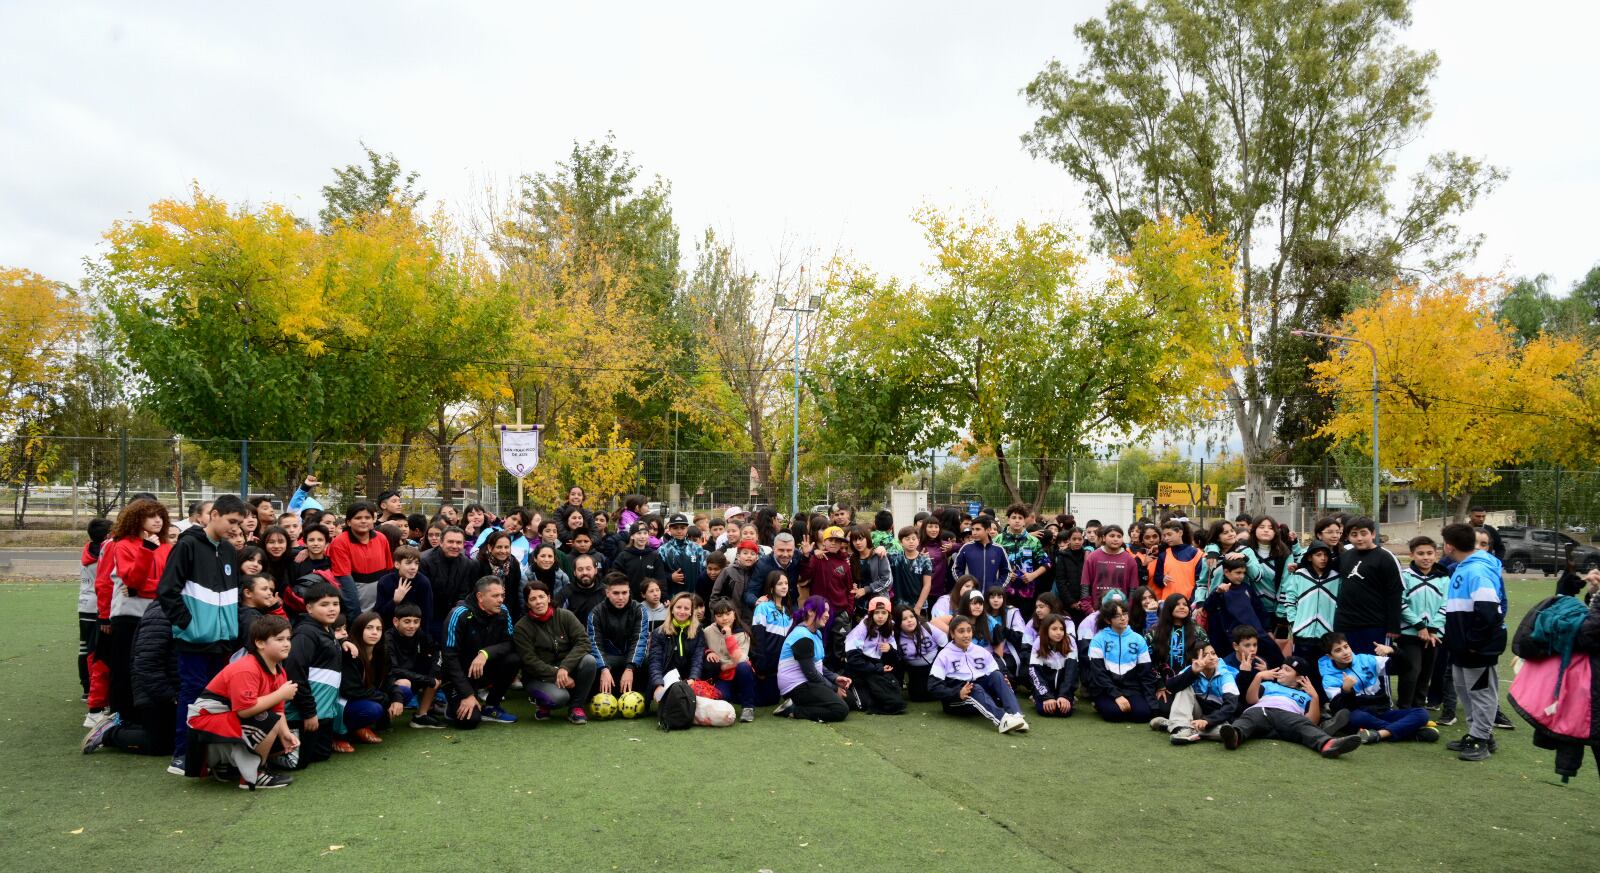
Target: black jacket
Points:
x,y
415,658
581,601
354,685
1068,567
639,565
452,579
468,631
313,647
155,660
213,627
624,632
682,651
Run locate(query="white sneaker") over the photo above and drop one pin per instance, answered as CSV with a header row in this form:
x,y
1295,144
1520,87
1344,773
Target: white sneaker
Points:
x,y
783,707
1010,722
1022,726
94,717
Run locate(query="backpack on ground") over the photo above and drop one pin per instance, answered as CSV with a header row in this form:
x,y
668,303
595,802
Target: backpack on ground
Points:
x,y
675,709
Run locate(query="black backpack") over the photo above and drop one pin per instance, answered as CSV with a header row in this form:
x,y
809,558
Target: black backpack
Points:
x,y
675,710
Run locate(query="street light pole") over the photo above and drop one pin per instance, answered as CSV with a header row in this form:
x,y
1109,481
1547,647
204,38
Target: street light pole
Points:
x,y
794,445
1376,466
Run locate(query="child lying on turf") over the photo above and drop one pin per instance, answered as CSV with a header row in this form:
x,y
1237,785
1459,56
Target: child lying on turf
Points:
x,y
1283,704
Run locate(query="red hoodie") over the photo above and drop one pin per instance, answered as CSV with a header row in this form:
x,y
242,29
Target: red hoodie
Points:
x,y
831,578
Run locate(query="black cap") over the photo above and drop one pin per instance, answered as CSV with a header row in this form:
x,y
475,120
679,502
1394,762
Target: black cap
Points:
x,y
677,519
1300,665
636,527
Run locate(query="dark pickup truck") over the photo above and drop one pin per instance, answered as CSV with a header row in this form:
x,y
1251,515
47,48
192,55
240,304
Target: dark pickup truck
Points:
x,y
1545,550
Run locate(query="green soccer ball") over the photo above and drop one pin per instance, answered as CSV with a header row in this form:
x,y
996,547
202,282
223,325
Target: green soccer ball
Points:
x,y
603,706
631,705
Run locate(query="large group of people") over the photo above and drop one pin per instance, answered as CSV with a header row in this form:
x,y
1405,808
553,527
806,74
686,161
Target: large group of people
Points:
x,y
248,643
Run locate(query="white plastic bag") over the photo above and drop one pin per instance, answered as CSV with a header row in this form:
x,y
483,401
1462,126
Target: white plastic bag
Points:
x,y
713,713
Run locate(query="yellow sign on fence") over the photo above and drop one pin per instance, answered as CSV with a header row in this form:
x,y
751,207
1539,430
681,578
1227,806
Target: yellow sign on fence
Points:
x,y
1186,494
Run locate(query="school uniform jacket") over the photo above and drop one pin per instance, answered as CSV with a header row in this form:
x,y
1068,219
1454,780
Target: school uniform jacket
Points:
x,y
955,667
1475,612
1423,603
1119,665
862,652
1310,604
199,592
1054,674
1218,695
1371,690
919,649
316,662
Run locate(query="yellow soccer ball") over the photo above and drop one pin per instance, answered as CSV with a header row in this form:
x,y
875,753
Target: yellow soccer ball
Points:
x,y
631,705
603,706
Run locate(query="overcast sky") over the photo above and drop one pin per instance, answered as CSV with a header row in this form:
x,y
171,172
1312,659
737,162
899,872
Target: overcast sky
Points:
x,y
822,123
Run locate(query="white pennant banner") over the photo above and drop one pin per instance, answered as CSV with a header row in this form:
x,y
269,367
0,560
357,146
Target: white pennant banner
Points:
x,y
519,450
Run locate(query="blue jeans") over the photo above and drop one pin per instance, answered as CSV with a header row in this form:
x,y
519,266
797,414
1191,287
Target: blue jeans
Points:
x,y
741,689
1403,724
195,672
362,713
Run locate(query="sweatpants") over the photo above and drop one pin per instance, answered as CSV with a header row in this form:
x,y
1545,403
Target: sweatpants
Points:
x,y
195,672
119,658
1478,694
879,691
990,697
1443,690
93,673
1363,639
1138,707
549,695
148,734
497,677
1403,724
917,683
818,701
1416,672
1261,721
1185,709
741,689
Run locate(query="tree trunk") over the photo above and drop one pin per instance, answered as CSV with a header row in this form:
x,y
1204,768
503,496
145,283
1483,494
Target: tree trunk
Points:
x,y
399,477
1463,502
446,456
1047,477
1007,480
372,471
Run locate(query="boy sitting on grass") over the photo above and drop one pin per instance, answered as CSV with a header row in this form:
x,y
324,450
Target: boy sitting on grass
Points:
x,y
414,663
1357,684
1283,704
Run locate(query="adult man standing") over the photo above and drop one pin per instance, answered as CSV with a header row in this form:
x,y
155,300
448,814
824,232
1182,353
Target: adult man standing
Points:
x,y
1497,546
480,655
452,574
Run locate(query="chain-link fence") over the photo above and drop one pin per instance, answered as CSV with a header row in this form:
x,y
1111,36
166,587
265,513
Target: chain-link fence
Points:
x,y
61,481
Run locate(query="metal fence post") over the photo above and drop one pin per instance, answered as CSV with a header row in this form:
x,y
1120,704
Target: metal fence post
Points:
x,y
1558,499
122,466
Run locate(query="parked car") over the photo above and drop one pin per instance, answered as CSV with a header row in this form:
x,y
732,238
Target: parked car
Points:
x,y
1545,550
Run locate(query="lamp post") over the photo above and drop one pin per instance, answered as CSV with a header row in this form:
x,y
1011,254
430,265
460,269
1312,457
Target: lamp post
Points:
x,y
1376,466
813,304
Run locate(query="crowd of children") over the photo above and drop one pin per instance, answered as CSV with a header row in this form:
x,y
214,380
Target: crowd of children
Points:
x,y
249,643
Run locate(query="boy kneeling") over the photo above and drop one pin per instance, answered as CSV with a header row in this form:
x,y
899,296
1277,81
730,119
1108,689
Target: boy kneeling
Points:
x,y
242,708
1283,704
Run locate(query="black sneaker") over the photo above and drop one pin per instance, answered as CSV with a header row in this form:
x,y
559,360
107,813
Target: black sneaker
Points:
x,y
426,720
1340,746
1502,722
1232,737
224,773
1474,749
1427,735
267,780
1336,723
1458,745
1446,718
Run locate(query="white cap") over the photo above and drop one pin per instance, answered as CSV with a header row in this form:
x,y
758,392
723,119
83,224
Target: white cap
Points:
x,y
732,511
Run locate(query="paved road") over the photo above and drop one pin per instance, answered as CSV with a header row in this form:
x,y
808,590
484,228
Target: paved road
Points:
x,y
36,563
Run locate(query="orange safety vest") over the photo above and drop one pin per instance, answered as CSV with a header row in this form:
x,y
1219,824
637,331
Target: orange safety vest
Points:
x,y
1180,576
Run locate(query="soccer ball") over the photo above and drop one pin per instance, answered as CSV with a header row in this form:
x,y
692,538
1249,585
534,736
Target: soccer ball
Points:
x,y
631,705
603,706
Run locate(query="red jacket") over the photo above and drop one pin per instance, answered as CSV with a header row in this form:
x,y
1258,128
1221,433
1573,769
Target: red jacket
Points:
x,y
131,562
831,579
362,562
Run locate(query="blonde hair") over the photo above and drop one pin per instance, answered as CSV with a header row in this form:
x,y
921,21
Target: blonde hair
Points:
x,y
694,625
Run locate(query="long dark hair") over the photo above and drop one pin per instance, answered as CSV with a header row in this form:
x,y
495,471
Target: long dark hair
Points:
x,y
1166,623
375,657
766,522
1280,544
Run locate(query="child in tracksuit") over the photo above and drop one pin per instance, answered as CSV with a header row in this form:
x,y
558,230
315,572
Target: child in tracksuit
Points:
x,y
965,678
919,644
1053,667
414,663
1283,704
316,666
1119,675
872,661
93,674
1310,598
1358,684
1421,621
1205,697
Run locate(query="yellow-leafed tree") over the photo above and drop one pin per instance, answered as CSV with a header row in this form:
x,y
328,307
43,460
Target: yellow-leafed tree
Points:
x,y
1557,384
1445,367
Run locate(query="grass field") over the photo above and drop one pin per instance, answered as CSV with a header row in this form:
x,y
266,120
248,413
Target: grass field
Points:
x,y
871,794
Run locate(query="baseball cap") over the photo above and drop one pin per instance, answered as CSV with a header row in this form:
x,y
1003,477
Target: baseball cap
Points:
x,y
636,527
677,519
751,545
877,602
732,512
834,533
1300,665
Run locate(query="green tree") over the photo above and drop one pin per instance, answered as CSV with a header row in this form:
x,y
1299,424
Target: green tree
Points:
x,y
367,190
1276,122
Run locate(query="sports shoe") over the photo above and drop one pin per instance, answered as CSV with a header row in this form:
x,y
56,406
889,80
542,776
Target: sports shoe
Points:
x,y
1426,735
576,715
1369,736
783,708
1024,727
1458,745
498,715
343,747
97,733
1446,718
426,720
266,780
95,716
1159,724
368,736
176,766
1009,722
1474,749
1232,737
1184,736
748,714
1337,722
1339,746
225,773
1502,722
540,713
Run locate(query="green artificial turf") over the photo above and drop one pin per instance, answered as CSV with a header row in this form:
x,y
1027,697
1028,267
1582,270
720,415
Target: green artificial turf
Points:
x,y
875,794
